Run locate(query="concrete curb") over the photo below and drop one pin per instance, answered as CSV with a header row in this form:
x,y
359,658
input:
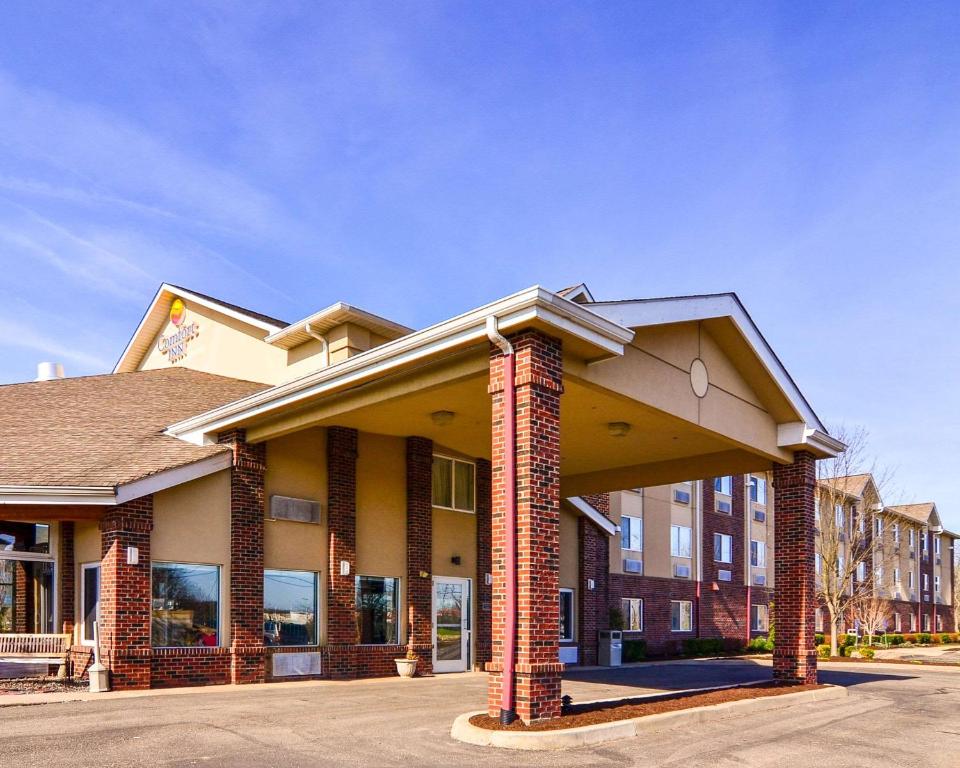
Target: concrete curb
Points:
x,y
585,735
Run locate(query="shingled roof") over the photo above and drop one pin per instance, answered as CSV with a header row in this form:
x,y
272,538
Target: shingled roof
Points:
x,y
919,512
100,431
851,485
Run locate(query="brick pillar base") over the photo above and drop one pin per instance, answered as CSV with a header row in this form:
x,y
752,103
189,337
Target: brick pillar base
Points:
x,y
342,526
420,551
247,651
539,384
794,653
125,607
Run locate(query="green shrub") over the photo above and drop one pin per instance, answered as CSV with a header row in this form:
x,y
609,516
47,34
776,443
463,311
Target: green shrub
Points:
x,y
634,650
760,645
944,637
823,650
818,638
866,653
924,638
893,639
702,646
616,620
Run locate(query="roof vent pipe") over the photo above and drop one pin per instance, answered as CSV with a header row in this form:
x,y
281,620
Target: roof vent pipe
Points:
x,y
49,371
322,339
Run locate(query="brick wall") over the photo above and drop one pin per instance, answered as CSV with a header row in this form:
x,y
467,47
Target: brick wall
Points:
x,y
342,526
420,551
183,667
21,602
539,384
593,604
657,594
67,576
484,599
794,655
247,508
125,593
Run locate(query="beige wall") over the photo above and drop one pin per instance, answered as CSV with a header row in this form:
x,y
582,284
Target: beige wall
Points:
x,y
454,534
657,517
623,503
569,550
86,549
191,524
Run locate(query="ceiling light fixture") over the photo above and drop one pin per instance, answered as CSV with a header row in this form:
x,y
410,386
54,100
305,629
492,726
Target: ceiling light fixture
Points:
x,y
442,418
618,428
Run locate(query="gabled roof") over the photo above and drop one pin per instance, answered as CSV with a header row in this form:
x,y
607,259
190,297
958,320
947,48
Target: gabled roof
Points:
x,y
157,315
103,431
925,513
326,319
851,485
578,293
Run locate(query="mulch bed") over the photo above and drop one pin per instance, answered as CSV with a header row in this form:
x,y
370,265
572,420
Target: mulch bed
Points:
x,y
610,711
911,662
24,685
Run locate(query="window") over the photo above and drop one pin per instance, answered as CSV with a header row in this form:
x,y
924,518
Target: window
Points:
x,y
926,582
897,623
566,615
910,581
926,622
631,533
936,584
923,542
724,575
913,622
454,482
861,571
896,533
936,546
290,607
679,541
723,485
818,563
722,548
186,605
861,522
378,610
879,525
758,489
896,576
818,620
632,608
840,566
838,510
878,574
89,600
8,583
912,537
681,616
758,618
816,510
758,553
939,623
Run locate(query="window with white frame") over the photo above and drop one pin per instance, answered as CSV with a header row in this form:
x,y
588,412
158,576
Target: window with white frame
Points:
x,y
566,615
897,623
926,622
913,622
759,619
838,512
878,574
936,546
861,521
923,542
913,535
758,489
896,533
758,553
723,485
939,623
89,600
936,584
840,566
681,616
454,484
879,526
861,571
818,563
631,533
926,582
632,608
816,510
910,579
896,576
722,548
818,620
680,541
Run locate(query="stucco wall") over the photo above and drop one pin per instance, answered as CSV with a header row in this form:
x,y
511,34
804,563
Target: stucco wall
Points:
x,y
569,550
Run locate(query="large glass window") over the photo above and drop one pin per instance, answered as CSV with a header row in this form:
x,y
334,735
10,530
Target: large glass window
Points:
x,y
722,548
454,484
289,607
759,620
186,605
758,553
632,608
566,614
378,610
7,597
681,616
758,490
723,485
679,541
89,600
631,533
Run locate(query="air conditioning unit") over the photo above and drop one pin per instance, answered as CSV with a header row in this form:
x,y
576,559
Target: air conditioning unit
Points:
x,y
759,580
681,571
759,515
896,596
632,566
724,506
724,576
296,510
681,497
913,555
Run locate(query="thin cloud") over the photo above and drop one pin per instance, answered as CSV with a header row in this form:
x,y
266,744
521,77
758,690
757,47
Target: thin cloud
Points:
x,y
24,336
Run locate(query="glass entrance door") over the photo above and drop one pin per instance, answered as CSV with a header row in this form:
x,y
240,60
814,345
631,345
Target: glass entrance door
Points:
x,y
451,624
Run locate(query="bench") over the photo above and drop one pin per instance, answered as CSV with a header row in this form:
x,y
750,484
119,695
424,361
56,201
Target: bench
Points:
x,y
36,649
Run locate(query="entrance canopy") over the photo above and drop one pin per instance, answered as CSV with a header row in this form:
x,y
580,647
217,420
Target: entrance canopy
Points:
x,y
655,391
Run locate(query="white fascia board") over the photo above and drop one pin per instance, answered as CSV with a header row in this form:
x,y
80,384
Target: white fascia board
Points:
x,y
335,314
172,477
684,309
514,311
143,321
587,510
57,494
798,435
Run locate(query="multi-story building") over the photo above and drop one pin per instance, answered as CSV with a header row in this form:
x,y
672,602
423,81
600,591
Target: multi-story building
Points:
x,y
901,554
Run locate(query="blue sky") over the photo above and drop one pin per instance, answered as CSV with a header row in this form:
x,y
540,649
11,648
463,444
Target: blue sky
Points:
x,y
419,159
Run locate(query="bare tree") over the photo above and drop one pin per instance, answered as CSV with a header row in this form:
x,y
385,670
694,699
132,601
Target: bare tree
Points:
x,y
956,591
873,613
847,547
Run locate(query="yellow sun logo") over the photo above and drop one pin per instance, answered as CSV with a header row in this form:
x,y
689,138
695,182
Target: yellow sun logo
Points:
x,y
177,312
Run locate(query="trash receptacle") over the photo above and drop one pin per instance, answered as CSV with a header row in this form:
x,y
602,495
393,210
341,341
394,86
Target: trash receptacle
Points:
x,y
611,648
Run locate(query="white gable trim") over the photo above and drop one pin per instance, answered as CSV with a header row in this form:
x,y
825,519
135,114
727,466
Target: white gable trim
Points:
x,y
604,523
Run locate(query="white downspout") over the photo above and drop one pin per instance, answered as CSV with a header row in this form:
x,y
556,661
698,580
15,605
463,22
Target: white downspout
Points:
x,y
322,339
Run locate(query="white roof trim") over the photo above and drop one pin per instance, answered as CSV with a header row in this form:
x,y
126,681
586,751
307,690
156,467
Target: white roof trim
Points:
x,y
167,288
645,312
53,495
798,436
589,511
332,316
514,312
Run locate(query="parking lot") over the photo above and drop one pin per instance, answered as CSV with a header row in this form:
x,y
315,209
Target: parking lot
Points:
x,y
903,716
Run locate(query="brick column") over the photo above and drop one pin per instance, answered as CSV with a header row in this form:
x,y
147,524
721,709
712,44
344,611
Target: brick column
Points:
x,y
247,651
484,596
593,610
125,607
539,384
794,654
67,577
21,592
420,551
342,526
